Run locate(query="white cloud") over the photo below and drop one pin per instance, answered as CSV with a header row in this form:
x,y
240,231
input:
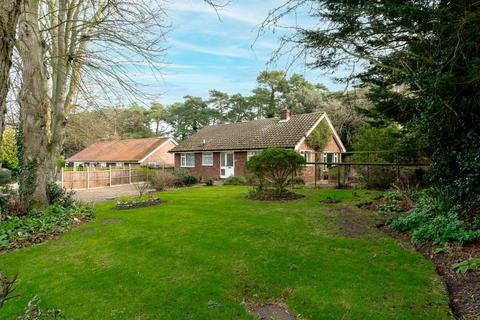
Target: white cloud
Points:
x,y
226,51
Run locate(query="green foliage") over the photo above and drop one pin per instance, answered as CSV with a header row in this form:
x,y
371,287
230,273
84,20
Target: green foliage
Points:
x,y
235,181
39,224
442,250
423,76
471,264
61,196
274,166
390,207
9,149
186,177
33,311
208,181
435,218
319,137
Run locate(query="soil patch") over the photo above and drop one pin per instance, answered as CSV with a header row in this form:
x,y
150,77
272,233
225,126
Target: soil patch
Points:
x,y
112,221
353,223
270,311
91,230
463,289
137,204
271,195
330,200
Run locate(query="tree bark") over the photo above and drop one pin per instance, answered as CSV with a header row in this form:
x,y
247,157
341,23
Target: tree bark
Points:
x,y
9,13
34,105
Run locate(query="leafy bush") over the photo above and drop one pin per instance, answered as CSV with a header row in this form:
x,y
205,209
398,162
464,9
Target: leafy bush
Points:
x,y
390,207
186,177
208,181
161,181
435,218
38,225
274,166
61,196
377,177
235,181
471,264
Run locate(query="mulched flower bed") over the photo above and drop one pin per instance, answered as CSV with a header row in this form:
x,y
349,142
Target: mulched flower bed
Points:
x,y
137,204
271,195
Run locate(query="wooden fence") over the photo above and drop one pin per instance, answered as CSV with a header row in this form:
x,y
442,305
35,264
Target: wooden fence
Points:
x,y
97,177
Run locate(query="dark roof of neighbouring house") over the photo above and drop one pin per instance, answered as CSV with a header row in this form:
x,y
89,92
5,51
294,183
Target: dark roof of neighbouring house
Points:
x,y
130,150
257,134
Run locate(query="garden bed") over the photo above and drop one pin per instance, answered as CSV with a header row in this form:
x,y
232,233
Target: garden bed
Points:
x,y
271,195
131,204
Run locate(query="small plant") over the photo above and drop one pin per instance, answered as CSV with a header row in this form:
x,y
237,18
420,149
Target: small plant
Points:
x,y
235,181
34,312
186,177
7,287
58,195
392,196
142,187
472,264
161,181
390,207
442,250
208,181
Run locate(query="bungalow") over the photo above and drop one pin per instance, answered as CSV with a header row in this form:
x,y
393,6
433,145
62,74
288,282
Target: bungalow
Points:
x,y
220,151
148,151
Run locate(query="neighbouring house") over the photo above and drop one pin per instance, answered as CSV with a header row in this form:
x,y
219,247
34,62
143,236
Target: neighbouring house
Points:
x,y
152,152
220,151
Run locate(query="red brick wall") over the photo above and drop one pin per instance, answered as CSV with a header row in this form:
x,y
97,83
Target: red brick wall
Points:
x,y
199,170
240,158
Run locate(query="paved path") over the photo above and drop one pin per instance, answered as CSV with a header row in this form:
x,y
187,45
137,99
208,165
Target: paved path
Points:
x,y
106,193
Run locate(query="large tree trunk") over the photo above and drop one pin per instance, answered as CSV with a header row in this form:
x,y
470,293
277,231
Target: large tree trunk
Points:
x,y
9,13
33,102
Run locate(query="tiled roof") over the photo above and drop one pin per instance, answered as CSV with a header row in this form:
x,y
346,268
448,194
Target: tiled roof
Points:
x,y
257,134
130,150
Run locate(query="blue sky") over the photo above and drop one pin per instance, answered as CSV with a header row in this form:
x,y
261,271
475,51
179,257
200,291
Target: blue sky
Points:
x,y
209,51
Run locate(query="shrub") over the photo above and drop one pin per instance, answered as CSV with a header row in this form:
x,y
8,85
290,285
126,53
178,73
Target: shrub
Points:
x,y
435,218
274,166
208,181
161,181
235,181
60,196
186,177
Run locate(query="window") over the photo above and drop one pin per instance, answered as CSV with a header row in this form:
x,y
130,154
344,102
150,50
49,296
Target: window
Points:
x,y
102,164
187,160
307,154
207,159
252,153
118,164
330,158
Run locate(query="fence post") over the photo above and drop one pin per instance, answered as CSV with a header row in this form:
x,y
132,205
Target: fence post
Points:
x,y
129,173
109,175
61,171
88,177
315,173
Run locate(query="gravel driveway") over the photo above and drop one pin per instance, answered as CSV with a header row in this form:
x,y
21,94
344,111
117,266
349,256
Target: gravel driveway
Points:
x,y
105,194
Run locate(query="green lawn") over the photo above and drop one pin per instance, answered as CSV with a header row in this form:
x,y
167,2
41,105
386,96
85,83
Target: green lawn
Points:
x,y
207,249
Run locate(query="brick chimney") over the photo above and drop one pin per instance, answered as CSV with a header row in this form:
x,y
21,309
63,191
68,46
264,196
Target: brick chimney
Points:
x,y
285,114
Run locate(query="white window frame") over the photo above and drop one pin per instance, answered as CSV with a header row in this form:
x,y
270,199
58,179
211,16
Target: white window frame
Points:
x,y
308,155
206,155
183,160
252,153
118,164
334,158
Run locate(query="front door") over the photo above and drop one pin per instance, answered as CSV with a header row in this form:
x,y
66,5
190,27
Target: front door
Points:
x,y
227,168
